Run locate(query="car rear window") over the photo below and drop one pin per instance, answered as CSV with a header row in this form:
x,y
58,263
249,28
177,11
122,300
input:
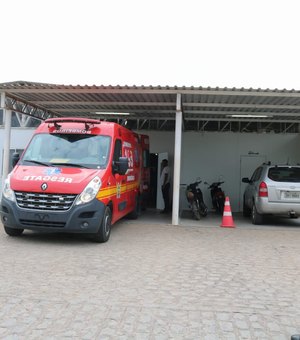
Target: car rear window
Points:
x,y
284,174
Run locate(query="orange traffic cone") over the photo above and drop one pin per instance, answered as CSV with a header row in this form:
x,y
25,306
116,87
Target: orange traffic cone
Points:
x,y
227,221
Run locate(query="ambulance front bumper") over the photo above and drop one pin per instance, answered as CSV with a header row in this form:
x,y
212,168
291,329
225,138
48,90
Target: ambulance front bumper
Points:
x,y
85,218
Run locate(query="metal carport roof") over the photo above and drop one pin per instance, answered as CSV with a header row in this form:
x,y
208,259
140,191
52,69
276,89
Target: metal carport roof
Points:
x,y
154,107
158,108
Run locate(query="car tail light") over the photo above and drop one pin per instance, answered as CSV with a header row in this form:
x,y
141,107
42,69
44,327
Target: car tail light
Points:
x,y
263,190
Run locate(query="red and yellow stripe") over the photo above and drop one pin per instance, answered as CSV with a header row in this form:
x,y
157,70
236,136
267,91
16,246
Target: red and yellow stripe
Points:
x,y
110,192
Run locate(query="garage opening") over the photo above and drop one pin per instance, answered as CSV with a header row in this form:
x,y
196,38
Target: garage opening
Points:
x,y
221,127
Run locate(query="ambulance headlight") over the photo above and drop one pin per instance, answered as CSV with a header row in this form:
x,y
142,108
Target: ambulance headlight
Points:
x,y
90,191
8,193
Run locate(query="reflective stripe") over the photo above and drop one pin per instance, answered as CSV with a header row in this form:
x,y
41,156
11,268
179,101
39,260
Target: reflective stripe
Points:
x,y
112,191
227,213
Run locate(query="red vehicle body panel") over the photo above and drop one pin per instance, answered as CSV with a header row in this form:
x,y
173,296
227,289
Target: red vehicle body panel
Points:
x,y
119,191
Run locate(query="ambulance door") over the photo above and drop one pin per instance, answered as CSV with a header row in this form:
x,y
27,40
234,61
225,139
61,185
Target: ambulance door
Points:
x,y
120,202
132,176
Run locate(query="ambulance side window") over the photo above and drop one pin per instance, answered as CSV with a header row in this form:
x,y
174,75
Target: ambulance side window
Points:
x,y
146,158
136,157
117,153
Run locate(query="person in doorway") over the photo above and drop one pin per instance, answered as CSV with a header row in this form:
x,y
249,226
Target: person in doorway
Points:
x,y
165,184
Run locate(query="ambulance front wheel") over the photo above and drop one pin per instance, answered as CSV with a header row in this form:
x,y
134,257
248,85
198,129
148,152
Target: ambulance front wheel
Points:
x,y
12,231
105,227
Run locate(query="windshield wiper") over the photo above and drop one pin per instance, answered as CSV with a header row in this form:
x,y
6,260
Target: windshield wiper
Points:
x,y
36,162
71,164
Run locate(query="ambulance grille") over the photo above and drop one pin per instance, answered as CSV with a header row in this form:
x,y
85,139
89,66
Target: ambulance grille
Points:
x,y
38,201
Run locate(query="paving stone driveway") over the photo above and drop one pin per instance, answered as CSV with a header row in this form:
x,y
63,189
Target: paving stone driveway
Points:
x,y
152,281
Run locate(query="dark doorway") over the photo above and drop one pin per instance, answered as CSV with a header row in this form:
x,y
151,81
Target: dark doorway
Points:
x,y
153,180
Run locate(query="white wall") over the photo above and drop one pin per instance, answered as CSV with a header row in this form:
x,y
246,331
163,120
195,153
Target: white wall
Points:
x,y
209,155
205,154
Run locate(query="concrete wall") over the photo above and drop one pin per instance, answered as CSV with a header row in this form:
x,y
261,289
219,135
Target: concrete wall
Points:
x,y
211,155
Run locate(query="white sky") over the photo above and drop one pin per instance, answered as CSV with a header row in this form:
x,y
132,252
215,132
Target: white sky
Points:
x,y
225,43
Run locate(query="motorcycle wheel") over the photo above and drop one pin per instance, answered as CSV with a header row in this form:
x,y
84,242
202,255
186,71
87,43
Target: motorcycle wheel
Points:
x,y
195,210
203,210
220,205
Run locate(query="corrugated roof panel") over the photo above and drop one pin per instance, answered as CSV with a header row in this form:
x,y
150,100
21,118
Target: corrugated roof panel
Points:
x,y
159,102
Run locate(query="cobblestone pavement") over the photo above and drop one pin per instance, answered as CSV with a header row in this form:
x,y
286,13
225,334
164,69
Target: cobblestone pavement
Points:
x,y
153,281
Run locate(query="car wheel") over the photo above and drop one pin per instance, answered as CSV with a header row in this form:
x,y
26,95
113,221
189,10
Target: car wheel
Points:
x,y
246,210
104,230
12,231
256,217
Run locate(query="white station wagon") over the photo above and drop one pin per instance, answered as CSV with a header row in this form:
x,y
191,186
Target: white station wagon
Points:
x,y
273,190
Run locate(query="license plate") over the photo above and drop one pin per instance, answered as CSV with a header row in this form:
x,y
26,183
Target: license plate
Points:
x,y
291,194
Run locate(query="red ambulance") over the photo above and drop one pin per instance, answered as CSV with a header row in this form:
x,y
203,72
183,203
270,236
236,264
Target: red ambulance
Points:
x,y
76,175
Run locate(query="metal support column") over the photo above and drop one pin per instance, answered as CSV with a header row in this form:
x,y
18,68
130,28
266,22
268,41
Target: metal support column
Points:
x,y
6,147
177,161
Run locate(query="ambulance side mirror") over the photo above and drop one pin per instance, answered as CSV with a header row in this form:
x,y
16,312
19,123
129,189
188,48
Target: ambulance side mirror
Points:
x,y
121,166
15,159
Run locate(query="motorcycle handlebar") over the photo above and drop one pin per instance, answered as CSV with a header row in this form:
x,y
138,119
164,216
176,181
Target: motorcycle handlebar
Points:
x,y
197,182
193,185
215,184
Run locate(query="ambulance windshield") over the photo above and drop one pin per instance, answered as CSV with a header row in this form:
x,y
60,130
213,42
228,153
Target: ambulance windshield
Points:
x,y
90,151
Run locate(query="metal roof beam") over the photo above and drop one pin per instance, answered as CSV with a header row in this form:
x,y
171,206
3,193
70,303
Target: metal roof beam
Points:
x,y
244,106
245,127
229,113
224,127
150,90
143,123
244,120
287,128
269,120
166,104
22,119
203,125
103,103
162,124
92,111
267,126
28,109
186,112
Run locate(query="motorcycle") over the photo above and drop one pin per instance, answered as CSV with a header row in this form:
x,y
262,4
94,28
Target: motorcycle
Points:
x,y
195,198
217,196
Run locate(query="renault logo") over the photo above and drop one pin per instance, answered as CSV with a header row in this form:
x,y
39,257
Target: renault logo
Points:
x,y
44,186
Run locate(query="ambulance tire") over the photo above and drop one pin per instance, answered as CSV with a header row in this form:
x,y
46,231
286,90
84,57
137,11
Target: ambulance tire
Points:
x,y
12,231
104,230
137,209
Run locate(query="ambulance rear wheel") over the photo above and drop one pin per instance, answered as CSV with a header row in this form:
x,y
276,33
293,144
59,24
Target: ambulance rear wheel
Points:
x,y
137,209
105,227
12,231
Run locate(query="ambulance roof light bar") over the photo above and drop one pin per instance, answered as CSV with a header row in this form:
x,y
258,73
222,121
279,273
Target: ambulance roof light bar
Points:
x,y
87,121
